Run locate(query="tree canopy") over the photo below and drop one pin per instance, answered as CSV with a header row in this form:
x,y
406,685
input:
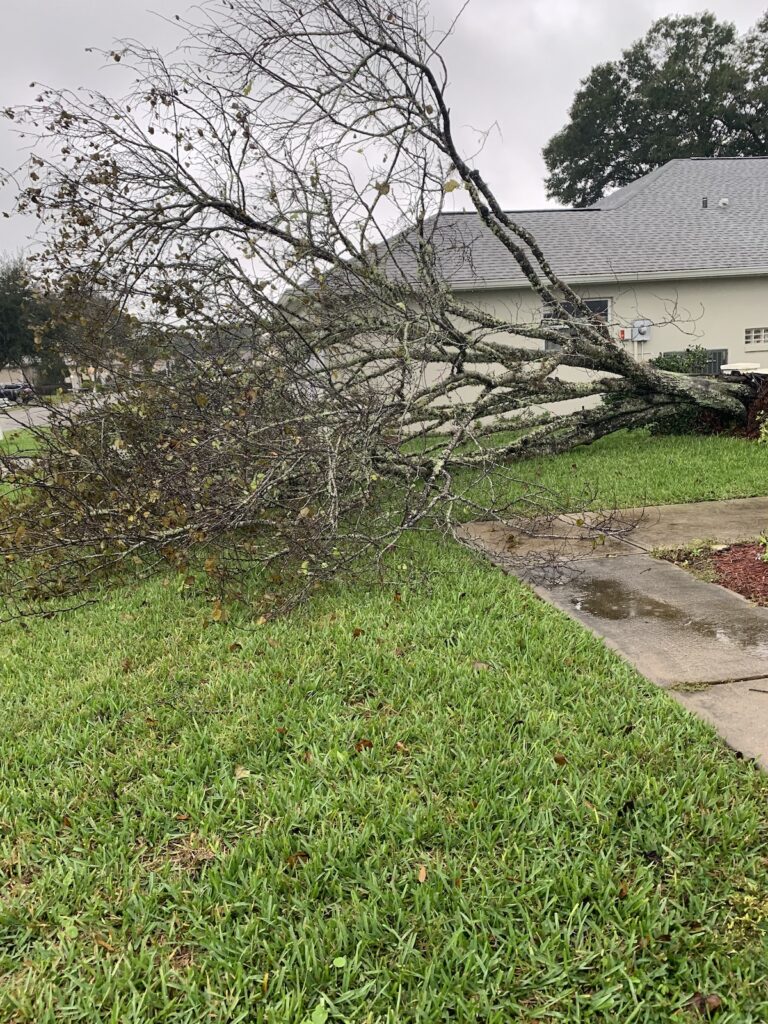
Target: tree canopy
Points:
x,y
17,341
42,327
690,87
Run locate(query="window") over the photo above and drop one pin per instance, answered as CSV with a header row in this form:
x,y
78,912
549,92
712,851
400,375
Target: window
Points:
x,y
756,336
553,316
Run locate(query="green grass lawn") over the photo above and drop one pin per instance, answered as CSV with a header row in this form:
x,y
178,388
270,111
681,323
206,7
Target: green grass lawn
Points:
x,y
637,469
438,800
19,442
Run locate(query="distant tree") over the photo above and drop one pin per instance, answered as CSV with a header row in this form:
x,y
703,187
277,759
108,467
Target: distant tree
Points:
x,y
43,330
17,340
690,87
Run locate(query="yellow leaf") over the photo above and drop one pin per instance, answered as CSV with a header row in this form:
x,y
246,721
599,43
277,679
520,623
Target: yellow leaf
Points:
x,y
382,188
422,874
241,773
451,186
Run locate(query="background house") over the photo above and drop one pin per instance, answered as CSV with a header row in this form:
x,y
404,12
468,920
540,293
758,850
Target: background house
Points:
x,y
677,258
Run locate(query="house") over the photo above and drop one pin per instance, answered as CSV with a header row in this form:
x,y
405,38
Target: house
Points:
x,y
677,258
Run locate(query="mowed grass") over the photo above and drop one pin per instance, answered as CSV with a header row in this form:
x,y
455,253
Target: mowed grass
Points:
x,y
436,800
634,468
19,442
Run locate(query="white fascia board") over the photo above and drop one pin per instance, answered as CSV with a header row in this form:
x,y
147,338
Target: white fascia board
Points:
x,y
670,275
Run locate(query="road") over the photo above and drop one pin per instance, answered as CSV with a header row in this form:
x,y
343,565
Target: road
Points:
x,y
17,417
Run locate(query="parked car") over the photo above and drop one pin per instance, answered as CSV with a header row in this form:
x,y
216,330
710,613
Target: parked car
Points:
x,y
19,393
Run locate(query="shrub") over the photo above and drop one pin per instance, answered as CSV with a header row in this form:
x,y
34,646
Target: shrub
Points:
x,y
692,360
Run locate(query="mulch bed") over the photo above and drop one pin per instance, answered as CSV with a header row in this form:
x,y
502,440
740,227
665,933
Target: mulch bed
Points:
x,y
741,568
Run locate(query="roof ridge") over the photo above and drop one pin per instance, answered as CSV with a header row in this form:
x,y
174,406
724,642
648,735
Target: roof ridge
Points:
x,y
755,156
511,213
638,186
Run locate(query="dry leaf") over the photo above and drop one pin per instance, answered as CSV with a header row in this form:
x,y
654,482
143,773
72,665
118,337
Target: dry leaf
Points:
x,y
356,632
241,773
706,1006
363,745
422,876
300,857
481,666
451,186
401,748
561,759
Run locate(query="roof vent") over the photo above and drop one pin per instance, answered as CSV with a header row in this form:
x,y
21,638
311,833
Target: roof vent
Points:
x,y
704,203
723,203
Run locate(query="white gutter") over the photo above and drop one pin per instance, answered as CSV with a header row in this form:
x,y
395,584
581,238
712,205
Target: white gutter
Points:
x,y
669,275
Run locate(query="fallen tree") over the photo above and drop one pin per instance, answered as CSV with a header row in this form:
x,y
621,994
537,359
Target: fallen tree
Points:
x,y
267,202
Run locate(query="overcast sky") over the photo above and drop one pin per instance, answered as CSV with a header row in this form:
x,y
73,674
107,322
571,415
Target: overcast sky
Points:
x,y
514,62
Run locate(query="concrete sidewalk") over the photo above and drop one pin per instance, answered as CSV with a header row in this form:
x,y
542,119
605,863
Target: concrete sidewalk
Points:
x,y
706,645
675,628
644,529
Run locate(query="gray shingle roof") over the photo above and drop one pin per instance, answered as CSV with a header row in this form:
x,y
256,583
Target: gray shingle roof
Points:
x,y
655,226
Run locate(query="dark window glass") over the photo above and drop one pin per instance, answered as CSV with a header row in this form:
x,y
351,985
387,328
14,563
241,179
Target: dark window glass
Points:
x,y
598,308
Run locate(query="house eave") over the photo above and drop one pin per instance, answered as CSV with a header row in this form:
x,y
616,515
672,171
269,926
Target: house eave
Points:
x,y
598,279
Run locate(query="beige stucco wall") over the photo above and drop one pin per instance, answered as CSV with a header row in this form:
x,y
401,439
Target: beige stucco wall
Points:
x,y
712,312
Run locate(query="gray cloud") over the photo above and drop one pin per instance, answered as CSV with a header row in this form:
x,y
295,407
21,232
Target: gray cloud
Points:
x,y
513,63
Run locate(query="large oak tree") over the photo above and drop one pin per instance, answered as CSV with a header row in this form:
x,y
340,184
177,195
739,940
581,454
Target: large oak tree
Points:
x,y
690,87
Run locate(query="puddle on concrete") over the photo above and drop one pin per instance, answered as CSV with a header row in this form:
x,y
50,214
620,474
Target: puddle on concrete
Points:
x,y
614,601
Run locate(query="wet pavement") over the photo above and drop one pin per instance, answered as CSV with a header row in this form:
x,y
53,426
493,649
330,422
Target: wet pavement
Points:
x,y
674,628
707,646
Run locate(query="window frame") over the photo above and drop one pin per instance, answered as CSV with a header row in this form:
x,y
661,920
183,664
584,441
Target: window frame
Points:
x,y
553,346
755,344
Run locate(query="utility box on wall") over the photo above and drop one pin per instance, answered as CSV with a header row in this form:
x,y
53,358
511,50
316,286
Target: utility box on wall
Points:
x,y
641,330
